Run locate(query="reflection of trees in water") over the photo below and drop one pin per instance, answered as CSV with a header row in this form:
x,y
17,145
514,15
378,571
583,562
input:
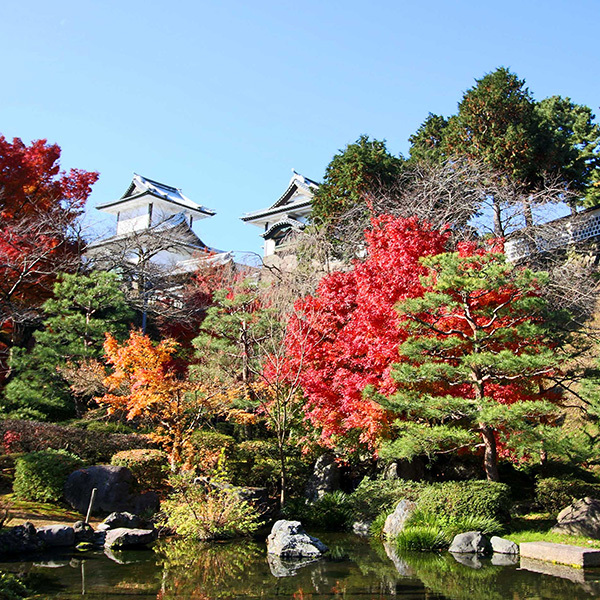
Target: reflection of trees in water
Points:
x,y
198,570
444,575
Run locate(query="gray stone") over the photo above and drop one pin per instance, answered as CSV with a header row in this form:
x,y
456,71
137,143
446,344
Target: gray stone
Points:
x,y
580,518
471,542
288,540
20,540
120,519
325,478
115,491
122,538
563,554
57,535
502,546
395,522
83,532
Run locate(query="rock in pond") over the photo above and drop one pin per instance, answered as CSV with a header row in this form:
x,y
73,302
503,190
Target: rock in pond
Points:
x,y
395,522
580,518
288,540
57,535
19,540
84,532
122,538
471,542
115,490
502,546
120,519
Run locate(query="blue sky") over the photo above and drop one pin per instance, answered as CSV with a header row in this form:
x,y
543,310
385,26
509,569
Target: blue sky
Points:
x,y
223,99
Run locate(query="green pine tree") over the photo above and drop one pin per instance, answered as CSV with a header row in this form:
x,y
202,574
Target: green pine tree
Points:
x,y
475,367
83,309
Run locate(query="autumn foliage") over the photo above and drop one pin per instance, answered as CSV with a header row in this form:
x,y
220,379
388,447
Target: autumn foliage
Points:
x,y
346,336
39,205
150,385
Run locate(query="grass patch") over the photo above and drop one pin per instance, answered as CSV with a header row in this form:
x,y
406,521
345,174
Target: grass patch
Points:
x,y
536,527
555,538
22,509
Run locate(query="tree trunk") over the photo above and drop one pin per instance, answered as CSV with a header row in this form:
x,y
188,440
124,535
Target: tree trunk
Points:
x,y
283,477
498,227
490,459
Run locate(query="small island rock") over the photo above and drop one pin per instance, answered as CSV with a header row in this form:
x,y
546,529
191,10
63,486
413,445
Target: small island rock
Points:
x,y
289,540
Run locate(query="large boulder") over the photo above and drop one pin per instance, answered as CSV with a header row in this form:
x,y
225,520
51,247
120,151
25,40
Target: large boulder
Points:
x,y
84,532
57,535
395,522
471,542
288,540
115,491
502,546
122,538
580,518
324,480
120,519
20,540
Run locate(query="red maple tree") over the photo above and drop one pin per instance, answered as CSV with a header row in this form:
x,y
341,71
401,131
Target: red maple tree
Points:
x,y
346,336
39,207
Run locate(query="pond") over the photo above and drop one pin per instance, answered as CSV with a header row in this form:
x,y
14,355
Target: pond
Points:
x,y
355,569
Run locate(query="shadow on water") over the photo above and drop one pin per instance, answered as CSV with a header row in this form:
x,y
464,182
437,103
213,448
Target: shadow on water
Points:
x,y
179,569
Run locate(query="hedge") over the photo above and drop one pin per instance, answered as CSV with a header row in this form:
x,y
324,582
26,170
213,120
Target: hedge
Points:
x,y
41,476
93,447
553,494
149,466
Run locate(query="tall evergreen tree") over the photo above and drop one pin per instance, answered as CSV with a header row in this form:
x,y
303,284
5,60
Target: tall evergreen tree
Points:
x,y
360,168
84,308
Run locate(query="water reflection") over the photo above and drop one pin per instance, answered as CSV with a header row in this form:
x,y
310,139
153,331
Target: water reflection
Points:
x,y
355,569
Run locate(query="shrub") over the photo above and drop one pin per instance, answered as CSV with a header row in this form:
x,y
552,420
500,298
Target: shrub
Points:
x,y
422,537
149,466
207,513
552,494
205,450
373,496
256,463
41,476
12,587
466,498
93,447
331,511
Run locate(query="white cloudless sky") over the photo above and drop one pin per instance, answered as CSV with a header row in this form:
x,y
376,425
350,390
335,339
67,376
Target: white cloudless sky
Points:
x,y
223,99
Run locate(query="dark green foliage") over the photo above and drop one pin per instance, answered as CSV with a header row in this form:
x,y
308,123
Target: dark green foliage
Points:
x,y
41,476
574,143
149,466
474,364
12,587
426,143
374,496
94,447
256,463
552,494
361,168
83,309
467,498
333,511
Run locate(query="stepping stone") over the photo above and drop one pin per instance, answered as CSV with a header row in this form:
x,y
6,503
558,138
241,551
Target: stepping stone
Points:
x,y
563,554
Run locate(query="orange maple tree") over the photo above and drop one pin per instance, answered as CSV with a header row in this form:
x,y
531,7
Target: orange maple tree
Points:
x,y
149,383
